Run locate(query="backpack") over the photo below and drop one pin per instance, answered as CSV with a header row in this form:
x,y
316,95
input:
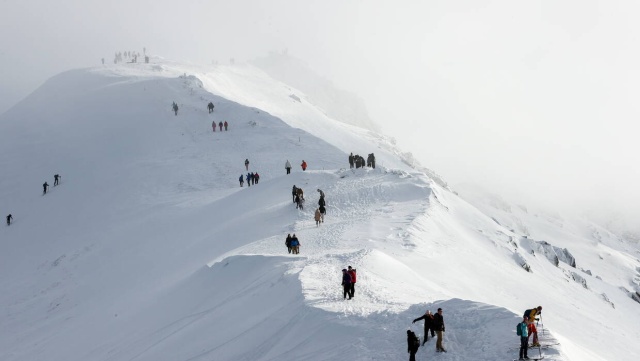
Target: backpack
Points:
x,y
519,329
527,313
416,341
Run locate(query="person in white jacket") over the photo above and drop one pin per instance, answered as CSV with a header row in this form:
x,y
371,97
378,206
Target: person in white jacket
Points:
x,y
287,166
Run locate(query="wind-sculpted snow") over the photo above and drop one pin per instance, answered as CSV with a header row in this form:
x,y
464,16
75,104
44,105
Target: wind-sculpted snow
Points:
x,y
150,250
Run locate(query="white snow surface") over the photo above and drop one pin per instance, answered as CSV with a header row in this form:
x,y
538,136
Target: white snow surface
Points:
x,y
149,249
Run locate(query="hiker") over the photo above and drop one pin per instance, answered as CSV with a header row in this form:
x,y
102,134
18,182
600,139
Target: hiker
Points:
x,y
220,125
323,211
303,165
256,176
356,161
241,180
246,163
346,284
294,191
317,216
213,125
253,178
175,108
299,201
321,202
287,166
321,193
413,343
531,315
351,160
287,242
44,188
524,338
9,218
56,179
210,106
352,273
371,161
225,125
438,325
428,325
248,179
295,244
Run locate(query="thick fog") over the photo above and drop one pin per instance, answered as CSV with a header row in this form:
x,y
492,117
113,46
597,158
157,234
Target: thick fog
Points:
x,y
533,99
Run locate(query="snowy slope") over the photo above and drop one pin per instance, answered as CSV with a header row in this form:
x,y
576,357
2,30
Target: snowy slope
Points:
x,y
150,250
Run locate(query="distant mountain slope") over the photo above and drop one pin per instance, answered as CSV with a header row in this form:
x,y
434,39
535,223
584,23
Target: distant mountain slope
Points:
x,y
336,103
150,250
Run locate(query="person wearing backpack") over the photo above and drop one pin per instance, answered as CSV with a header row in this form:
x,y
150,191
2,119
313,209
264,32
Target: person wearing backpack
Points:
x,y
521,330
352,273
413,343
531,315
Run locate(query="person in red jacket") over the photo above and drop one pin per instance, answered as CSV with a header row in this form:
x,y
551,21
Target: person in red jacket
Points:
x,y
304,165
352,273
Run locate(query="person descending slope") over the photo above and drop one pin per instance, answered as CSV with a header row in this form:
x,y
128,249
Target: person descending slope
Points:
x,y
287,242
210,106
303,165
225,125
413,343
220,125
346,284
9,218
287,166
294,191
428,325
246,163
175,108
44,188
213,125
317,217
295,244
352,273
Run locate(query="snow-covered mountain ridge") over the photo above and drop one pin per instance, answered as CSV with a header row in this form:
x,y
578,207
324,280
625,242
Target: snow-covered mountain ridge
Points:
x,y
150,250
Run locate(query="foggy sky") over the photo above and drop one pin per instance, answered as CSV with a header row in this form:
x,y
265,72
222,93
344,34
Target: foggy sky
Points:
x,y
535,99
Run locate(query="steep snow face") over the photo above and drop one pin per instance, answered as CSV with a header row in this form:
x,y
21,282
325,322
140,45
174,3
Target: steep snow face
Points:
x,y
150,250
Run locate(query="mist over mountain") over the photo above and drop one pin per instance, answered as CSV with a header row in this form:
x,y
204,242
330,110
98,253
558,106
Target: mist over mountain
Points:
x,y
149,248
338,104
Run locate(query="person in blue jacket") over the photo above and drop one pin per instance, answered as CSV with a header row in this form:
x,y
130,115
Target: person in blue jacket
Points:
x,y
295,244
248,179
524,338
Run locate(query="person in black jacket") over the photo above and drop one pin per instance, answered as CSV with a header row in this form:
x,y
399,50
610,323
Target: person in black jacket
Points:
x,y
428,325
287,242
413,343
346,284
438,325
9,218
44,188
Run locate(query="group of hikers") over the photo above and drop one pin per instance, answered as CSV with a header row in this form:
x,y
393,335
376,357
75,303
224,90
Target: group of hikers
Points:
x,y
45,188
348,282
357,161
434,324
526,329
210,107
252,177
292,243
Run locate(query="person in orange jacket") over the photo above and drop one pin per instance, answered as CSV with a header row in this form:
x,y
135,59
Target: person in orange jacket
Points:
x,y
303,165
